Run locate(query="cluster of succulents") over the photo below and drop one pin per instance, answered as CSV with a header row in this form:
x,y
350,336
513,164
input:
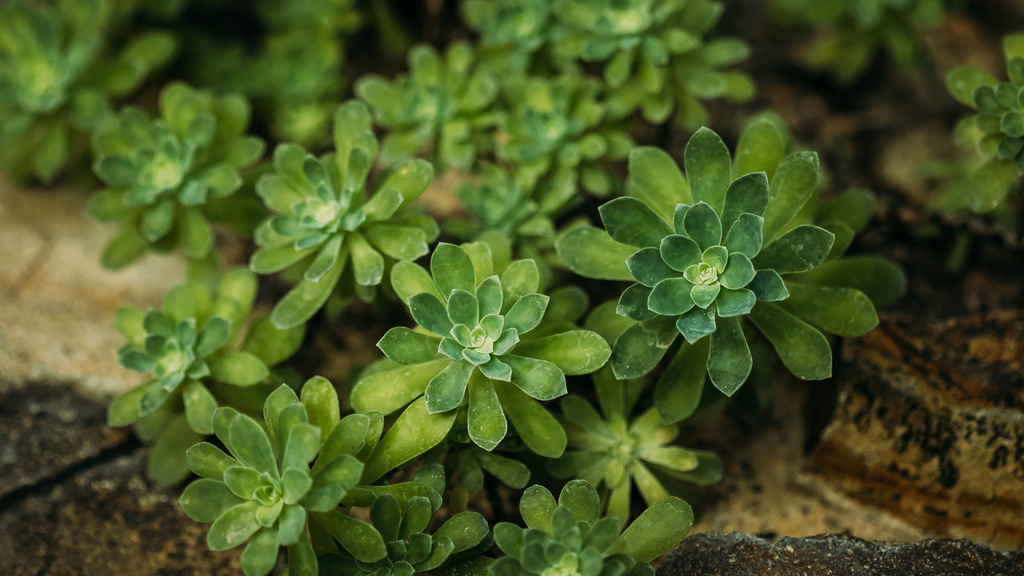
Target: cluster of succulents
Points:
x,y
996,131
852,31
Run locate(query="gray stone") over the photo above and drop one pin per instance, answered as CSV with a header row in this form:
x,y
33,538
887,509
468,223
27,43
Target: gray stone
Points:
x,y
718,554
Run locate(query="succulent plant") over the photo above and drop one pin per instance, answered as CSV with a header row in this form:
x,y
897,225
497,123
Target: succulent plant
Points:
x,y
189,350
293,15
997,130
856,29
162,172
571,537
398,543
556,128
616,451
328,221
709,250
56,80
445,104
481,345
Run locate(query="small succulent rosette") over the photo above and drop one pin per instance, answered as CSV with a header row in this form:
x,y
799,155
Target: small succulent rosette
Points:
x,y
484,344
57,80
512,29
330,229
614,451
851,32
654,54
162,172
264,489
191,351
997,131
709,251
570,536
398,542
555,130
444,106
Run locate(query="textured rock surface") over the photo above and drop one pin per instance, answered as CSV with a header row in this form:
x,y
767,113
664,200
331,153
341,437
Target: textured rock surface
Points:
x,y
46,430
716,554
930,426
56,301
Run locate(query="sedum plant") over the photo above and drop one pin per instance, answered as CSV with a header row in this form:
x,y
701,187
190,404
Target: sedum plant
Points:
x,y
570,536
556,129
162,172
481,345
446,105
327,220
854,31
57,82
653,54
191,352
614,450
997,131
707,252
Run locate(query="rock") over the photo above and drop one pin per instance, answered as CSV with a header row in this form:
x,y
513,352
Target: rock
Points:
x,y
46,430
108,520
717,554
930,426
76,499
56,301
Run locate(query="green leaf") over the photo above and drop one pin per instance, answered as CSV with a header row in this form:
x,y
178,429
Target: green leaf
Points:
x,y
655,531
398,242
962,81
730,303
463,308
536,506
630,221
633,303
196,234
679,252
696,324
321,402
260,554
410,279
305,299
883,281
405,346
526,313
465,530
746,195
358,538
793,184
199,406
655,179
367,263
452,269
233,527
582,500
415,432
803,349
678,391
124,248
729,360
250,445
124,409
537,427
271,345
592,253
486,420
639,349
648,268
708,168
167,463
761,148
574,352
801,249
703,226
389,390
206,500
239,369
446,390
520,278
208,461
837,310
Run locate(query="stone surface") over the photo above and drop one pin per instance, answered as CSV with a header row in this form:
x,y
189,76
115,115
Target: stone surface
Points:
x,y
106,521
930,426
56,301
717,554
46,430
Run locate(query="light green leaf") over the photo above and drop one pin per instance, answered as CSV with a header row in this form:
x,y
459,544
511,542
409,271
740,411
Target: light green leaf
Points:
x,y
415,432
792,185
389,390
837,310
239,369
654,178
655,531
708,168
592,253
537,427
574,352
804,350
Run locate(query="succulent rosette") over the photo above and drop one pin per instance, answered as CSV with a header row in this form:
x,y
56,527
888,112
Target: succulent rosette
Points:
x,y
708,251
997,131
56,81
328,219
482,344
198,357
443,104
614,451
570,536
162,172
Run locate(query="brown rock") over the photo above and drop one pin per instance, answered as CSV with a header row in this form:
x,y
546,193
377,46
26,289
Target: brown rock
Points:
x,y
930,426
717,554
46,430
